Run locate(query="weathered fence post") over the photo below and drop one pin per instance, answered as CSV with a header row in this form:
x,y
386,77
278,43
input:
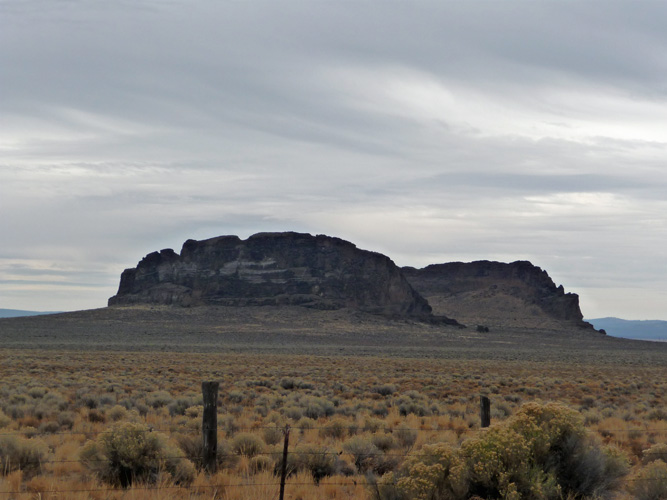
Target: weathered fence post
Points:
x,y
210,426
283,469
485,411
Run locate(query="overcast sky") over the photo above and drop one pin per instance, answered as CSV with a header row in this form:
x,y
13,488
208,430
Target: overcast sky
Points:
x,y
429,131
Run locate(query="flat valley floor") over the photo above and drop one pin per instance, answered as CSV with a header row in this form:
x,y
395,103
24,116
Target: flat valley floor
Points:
x,y
343,379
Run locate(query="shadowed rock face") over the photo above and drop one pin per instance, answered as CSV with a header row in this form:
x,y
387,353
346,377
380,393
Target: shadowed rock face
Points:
x,y
272,269
495,293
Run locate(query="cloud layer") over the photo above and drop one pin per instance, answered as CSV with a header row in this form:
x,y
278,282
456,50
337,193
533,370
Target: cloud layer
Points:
x,y
431,132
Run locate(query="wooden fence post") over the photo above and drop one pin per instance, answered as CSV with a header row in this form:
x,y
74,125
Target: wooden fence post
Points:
x,y
210,426
283,469
485,411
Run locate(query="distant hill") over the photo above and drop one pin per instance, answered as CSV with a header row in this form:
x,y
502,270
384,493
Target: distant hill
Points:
x,y
15,313
323,272
643,330
496,294
319,272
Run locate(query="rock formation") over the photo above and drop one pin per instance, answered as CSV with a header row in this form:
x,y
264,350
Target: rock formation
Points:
x,y
497,294
272,269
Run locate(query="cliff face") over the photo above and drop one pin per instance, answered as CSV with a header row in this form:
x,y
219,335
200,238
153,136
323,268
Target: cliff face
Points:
x,y
496,294
272,269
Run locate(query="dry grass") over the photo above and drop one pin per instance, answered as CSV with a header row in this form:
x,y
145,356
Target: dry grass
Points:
x,y
332,404
359,385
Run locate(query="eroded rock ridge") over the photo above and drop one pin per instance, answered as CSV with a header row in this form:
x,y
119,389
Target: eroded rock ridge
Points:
x,y
272,269
518,294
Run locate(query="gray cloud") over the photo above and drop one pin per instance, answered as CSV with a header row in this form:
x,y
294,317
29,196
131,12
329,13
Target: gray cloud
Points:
x,y
433,131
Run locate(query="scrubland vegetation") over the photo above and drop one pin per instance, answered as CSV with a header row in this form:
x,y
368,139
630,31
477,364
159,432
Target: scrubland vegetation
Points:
x,y
98,425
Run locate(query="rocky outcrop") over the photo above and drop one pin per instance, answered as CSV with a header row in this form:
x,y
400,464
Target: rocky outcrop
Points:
x,y
518,294
272,269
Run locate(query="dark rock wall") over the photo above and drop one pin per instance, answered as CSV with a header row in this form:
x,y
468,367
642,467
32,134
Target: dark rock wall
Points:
x,y
521,280
272,269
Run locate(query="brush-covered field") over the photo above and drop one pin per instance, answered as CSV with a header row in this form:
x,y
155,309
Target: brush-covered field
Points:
x,y
376,409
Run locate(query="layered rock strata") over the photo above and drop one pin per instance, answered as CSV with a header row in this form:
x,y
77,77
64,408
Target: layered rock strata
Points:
x,y
272,269
518,294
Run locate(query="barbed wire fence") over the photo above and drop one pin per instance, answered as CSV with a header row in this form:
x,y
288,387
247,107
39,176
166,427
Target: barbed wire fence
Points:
x,y
211,455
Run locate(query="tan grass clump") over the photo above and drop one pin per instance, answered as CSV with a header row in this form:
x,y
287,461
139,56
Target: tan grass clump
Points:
x,y
18,453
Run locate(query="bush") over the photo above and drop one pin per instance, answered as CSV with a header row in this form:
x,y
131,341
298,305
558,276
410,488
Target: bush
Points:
x,y
193,448
406,437
655,452
66,419
49,427
130,453
650,483
260,463
247,444
4,420
368,457
18,453
117,413
158,399
317,407
363,453
305,424
384,389
320,462
543,452
293,412
383,441
96,416
179,406
272,434
437,472
374,425
335,429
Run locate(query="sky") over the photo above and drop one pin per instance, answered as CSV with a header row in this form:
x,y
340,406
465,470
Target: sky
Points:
x,y
430,131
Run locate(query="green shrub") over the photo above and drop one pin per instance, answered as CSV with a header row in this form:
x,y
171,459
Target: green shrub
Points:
x,y
380,411
247,444
437,472
49,427
650,483
4,420
288,383
543,452
98,416
260,463
384,389
374,425
319,461
293,412
229,425
305,424
368,457
291,383
315,407
272,434
406,437
18,453
193,448
179,406
130,453
66,419
383,441
335,429
37,392
117,413
158,399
